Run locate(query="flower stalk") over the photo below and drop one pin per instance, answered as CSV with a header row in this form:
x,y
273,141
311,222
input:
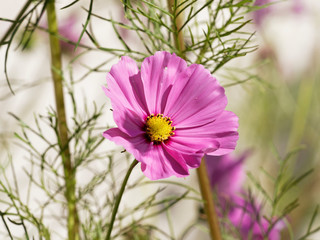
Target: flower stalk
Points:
x,y
209,207
69,170
177,24
118,200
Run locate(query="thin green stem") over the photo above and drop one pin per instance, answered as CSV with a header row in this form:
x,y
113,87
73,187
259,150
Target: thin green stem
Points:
x,y
209,207
118,200
177,22
302,111
6,225
15,22
69,170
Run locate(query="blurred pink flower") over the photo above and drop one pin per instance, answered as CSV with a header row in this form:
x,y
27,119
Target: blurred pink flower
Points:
x,y
246,215
227,176
290,7
67,29
169,114
226,173
298,7
259,15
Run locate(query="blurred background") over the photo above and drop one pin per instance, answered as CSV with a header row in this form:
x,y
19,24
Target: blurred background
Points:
x,y
275,91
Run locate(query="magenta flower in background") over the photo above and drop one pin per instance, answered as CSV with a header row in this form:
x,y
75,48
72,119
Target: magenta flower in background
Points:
x,y
169,114
298,6
260,15
247,216
294,6
226,174
67,29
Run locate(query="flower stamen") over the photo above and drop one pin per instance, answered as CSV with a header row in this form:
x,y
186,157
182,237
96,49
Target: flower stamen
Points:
x,y
158,128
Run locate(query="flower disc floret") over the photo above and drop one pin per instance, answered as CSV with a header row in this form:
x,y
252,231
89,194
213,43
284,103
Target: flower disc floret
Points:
x,y
158,128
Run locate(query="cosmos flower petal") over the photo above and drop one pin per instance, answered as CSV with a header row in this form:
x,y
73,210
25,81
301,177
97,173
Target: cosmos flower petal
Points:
x,y
194,144
156,161
160,164
226,127
191,158
223,130
226,173
125,86
128,121
158,73
179,159
134,145
196,101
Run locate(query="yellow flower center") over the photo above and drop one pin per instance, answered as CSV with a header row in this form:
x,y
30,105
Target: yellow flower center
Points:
x,y
158,128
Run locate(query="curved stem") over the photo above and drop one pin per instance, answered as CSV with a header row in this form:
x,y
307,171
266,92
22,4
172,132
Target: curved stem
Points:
x,y
209,207
15,22
118,200
68,168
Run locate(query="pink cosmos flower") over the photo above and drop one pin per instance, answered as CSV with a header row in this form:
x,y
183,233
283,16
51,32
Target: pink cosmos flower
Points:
x,y
169,114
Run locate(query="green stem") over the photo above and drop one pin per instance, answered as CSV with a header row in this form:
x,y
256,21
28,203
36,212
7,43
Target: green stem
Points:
x,y
177,22
303,106
69,170
118,200
209,207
